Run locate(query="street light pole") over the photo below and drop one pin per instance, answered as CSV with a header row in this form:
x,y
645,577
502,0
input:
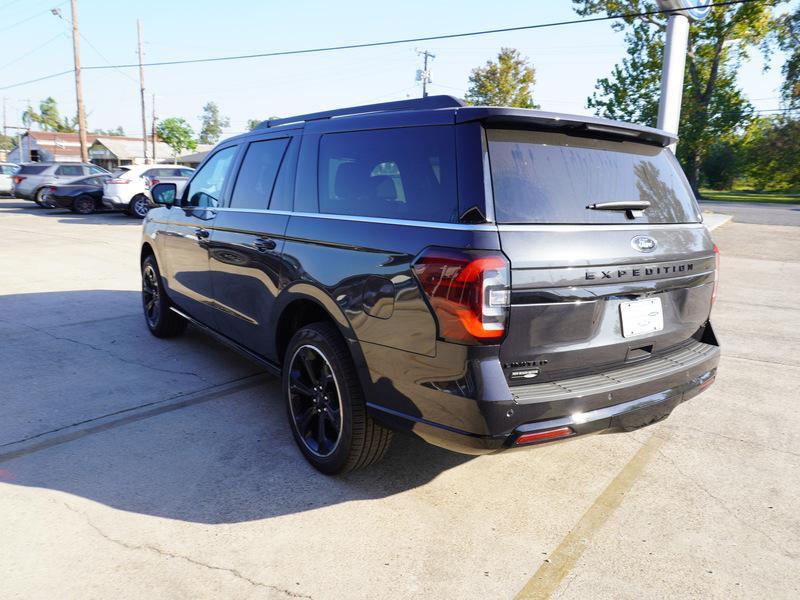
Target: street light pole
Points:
x,y
76,53
669,107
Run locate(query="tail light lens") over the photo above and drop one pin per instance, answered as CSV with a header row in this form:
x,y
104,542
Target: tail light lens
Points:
x,y
150,183
18,179
118,181
469,292
716,275
51,189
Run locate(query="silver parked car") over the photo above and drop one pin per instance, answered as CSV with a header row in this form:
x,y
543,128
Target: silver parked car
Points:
x,y
32,180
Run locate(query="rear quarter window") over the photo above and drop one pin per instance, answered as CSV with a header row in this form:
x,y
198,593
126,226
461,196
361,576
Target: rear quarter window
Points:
x,y
32,169
406,173
540,177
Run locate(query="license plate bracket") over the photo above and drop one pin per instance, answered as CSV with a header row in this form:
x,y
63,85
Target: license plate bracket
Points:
x,y
641,317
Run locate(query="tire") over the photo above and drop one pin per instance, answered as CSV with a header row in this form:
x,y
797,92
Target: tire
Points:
x,y
317,367
40,199
83,205
161,321
138,206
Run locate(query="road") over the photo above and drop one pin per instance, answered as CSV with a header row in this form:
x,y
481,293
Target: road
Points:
x,y
760,213
132,467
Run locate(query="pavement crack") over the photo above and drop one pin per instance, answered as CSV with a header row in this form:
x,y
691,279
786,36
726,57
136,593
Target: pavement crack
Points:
x,y
174,555
723,505
123,359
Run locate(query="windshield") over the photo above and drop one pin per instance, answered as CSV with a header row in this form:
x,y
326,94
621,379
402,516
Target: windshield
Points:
x,y
540,177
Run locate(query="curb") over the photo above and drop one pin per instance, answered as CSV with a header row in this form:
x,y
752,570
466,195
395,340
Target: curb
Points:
x,y
713,220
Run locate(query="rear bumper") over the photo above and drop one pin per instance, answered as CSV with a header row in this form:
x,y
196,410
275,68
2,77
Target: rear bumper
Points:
x,y
114,202
626,398
61,201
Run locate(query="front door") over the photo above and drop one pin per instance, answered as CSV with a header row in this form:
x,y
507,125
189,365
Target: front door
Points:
x,y
188,234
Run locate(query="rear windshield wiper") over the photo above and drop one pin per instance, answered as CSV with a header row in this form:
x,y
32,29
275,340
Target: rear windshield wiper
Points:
x,y
632,208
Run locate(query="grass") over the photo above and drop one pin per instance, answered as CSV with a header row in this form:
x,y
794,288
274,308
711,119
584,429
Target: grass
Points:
x,y
748,196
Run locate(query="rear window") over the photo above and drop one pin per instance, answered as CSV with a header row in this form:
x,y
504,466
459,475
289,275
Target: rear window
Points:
x,y
32,169
540,177
407,173
69,170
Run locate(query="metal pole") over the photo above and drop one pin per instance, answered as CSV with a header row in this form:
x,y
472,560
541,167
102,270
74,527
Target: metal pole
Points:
x,y
669,106
76,54
153,130
141,89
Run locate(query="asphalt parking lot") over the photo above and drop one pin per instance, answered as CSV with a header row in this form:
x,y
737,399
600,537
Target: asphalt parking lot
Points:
x,y
132,467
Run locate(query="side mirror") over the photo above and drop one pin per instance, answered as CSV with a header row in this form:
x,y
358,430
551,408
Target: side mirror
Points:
x,y
164,194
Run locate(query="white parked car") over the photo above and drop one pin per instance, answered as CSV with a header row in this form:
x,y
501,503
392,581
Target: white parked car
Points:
x,y
7,171
130,187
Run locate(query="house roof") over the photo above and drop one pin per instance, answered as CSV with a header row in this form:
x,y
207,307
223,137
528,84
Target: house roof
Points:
x,y
128,148
60,144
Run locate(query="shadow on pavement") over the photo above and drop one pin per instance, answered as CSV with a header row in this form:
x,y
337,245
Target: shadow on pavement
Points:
x,y
105,217
227,459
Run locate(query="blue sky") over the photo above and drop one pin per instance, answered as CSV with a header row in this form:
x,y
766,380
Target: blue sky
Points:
x,y
568,60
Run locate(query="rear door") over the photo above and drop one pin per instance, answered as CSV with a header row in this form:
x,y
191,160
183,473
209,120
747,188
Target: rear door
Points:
x,y
591,286
247,243
188,233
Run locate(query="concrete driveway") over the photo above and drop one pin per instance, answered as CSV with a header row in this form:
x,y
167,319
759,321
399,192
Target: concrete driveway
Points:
x,y
132,467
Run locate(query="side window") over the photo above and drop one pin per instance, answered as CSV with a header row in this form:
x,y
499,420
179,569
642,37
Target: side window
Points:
x,y
257,175
70,170
94,170
205,190
186,173
407,173
153,173
92,181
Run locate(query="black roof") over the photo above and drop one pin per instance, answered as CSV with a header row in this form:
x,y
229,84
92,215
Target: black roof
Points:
x,y
462,113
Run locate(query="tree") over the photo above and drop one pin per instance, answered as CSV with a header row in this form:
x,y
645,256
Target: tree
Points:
x,y
507,82
771,157
118,131
788,35
48,118
176,133
252,124
713,106
213,123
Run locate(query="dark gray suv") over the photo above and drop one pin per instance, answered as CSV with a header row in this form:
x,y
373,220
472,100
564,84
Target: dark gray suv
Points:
x,y
485,278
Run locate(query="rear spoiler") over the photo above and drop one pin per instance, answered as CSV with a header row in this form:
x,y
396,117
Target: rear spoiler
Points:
x,y
571,124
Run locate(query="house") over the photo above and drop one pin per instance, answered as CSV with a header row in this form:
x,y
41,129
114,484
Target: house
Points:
x,y
104,150
195,158
48,146
111,152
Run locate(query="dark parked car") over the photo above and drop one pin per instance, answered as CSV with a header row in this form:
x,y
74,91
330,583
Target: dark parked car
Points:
x,y
32,179
485,278
83,196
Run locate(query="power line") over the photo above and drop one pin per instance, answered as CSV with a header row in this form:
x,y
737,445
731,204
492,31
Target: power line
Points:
x,y
383,43
29,52
30,18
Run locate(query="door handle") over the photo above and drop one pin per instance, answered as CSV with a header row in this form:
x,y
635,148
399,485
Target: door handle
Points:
x,y
264,244
201,233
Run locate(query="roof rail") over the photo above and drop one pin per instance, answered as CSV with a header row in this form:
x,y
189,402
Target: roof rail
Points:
x,y
429,102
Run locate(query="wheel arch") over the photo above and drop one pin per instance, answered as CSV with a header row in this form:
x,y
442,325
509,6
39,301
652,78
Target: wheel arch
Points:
x,y
304,304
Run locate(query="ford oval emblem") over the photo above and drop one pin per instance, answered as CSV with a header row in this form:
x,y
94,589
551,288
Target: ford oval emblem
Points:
x,y
644,243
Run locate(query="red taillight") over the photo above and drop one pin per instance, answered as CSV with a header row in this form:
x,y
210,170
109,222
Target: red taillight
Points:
x,y
151,183
51,189
468,291
118,181
541,436
18,179
716,275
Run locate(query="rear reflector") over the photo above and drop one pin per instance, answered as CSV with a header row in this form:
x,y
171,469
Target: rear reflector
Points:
x,y
540,436
707,382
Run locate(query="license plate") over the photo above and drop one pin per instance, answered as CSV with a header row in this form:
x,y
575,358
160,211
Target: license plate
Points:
x,y
641,316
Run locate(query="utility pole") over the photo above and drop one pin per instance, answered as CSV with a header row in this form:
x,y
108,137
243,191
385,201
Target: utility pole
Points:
x,y
76,53
424,75
141,89
153,129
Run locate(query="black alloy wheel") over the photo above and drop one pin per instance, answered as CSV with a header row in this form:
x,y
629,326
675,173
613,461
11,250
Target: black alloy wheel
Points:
x,y
325,404
314,401
161,321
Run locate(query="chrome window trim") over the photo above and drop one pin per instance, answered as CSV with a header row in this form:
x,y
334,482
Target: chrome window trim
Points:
x,y
633,227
